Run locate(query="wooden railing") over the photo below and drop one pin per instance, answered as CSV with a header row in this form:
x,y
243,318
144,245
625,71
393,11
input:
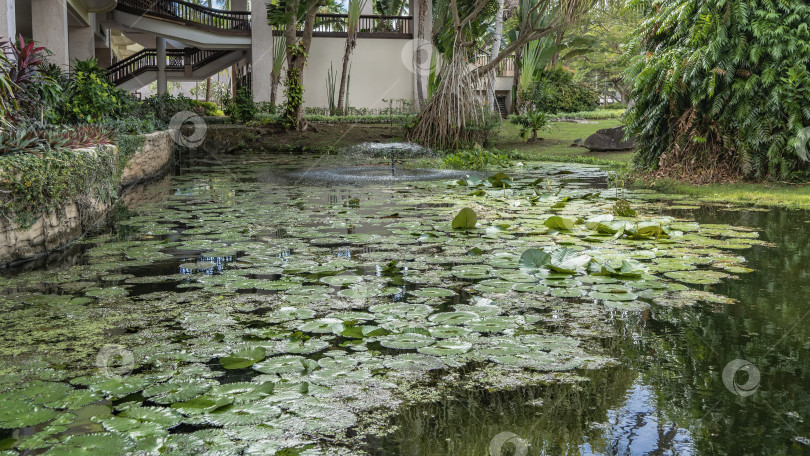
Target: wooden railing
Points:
x,y
177,60
505,68
222,21
368,26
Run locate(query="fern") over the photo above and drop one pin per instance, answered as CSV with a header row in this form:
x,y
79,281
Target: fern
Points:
x,y
733,74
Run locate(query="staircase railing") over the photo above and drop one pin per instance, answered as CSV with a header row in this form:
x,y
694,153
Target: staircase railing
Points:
x,y
177,60
222,21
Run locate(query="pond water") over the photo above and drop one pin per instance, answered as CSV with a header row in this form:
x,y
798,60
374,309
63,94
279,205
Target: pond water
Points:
x,y
247,310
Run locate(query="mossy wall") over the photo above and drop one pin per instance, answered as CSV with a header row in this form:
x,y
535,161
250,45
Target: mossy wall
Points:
x,y
48,201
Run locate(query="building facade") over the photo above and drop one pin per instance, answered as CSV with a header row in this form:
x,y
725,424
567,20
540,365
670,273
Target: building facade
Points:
x,y
145,41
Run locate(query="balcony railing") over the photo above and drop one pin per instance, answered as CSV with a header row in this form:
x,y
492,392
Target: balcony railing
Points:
x,y
505,68
177,60
335,25
221,21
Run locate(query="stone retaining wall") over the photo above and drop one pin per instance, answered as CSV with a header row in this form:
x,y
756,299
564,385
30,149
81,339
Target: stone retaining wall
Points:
x,y
151,160
74,218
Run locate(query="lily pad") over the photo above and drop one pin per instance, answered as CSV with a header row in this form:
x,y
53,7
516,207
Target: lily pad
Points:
x,y
243,358
465,219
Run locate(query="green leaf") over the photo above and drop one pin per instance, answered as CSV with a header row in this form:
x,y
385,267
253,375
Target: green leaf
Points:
x,y
243,358
202,404
559,223
465,220
568,261
534,259
500,180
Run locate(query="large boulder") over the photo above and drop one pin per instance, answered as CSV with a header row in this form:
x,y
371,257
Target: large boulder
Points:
x,y
609,139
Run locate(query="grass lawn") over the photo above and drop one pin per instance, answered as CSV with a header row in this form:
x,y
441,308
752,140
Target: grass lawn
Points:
x,y
556,143
759,194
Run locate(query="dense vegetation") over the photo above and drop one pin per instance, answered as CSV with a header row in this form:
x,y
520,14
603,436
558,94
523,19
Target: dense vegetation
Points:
x,y
722,88
555,91
47,113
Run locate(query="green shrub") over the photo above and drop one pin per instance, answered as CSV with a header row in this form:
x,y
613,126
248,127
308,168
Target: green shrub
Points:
x,y
556,91
240,108
34,185
475,159
163,107
209,108
27,89
265,107
612,107
90,97
721,88
598,114
530,123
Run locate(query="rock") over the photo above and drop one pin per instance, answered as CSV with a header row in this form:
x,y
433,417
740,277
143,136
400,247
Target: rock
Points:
x,y
609,139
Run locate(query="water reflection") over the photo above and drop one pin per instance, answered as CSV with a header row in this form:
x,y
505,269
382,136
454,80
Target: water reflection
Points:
x,y
636,428
669,397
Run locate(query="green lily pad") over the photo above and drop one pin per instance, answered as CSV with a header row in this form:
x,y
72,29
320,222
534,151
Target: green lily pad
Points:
x,y
433,293
406,341
243,358
107,443
465,219
280,365
556,222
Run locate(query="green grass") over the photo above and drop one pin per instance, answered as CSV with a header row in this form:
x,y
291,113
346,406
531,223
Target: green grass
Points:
x,y
759,194
596,114
556,144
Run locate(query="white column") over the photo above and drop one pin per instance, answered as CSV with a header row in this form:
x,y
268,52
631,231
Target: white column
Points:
x,y
50,29
81,43
162,85
261,51
8,23
237,5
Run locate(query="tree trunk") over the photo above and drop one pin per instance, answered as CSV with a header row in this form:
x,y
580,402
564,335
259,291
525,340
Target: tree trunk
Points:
x,y
516,82
350,43
208,89
273,90
296,59
493,53
418,51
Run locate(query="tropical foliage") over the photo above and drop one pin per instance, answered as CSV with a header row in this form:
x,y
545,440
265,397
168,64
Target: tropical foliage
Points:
x,y
530,123
722,89
554,90
90,96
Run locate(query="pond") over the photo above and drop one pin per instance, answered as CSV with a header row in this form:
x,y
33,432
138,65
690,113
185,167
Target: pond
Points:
x,y
245,309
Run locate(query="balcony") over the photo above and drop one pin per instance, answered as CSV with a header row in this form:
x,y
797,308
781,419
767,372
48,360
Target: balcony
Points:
x,y
335,25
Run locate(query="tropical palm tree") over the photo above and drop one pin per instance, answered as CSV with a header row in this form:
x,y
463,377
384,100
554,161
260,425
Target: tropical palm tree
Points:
x,y
352,23
279,56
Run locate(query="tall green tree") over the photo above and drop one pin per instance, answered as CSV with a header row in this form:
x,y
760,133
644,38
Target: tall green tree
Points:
x,y
454,117
607,30
354,8
292,15
722,88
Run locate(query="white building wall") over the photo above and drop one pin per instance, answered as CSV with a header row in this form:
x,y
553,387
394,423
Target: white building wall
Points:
x,y
381,69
